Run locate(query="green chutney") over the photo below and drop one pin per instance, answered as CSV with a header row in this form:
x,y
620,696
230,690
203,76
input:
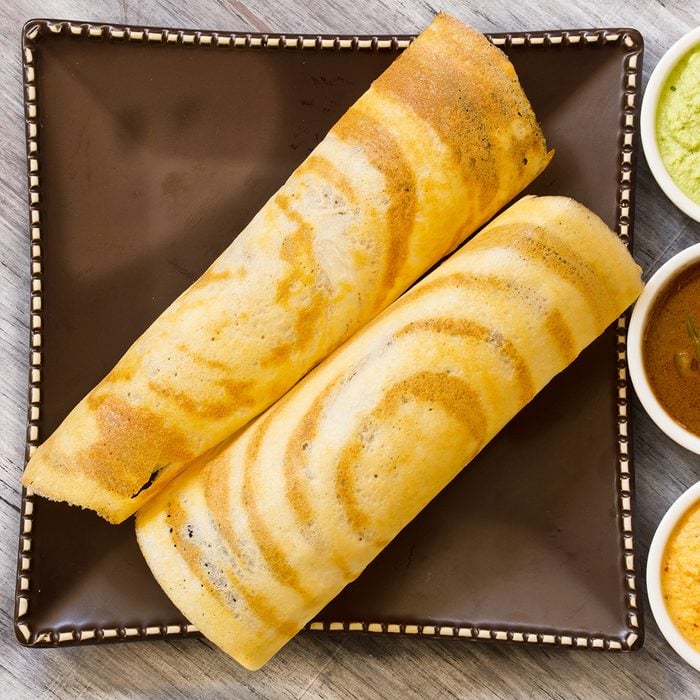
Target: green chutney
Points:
x,y
678,124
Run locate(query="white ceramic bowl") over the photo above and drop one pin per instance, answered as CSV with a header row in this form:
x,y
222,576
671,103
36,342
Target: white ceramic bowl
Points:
x,y
656,553
648,123
635,338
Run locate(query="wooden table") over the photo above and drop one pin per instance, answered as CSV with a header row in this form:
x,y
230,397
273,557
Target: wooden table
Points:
x,y
330,666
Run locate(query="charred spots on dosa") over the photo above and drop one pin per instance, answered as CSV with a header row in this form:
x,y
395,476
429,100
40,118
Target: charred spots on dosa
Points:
x,y
227,550
124,465
151,480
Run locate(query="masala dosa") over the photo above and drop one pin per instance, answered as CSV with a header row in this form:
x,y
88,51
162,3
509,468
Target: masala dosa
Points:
x,y
252,542
437,145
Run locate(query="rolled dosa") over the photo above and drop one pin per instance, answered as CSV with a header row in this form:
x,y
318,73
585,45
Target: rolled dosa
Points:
x,y
252,542
436,146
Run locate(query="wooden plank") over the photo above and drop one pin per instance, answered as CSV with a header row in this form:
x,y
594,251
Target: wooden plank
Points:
x,y
321,666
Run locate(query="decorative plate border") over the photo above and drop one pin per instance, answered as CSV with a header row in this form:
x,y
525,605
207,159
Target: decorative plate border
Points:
x,y
33,31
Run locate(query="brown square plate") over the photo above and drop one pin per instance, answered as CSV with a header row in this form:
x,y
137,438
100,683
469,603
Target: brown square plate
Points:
x,y
148,150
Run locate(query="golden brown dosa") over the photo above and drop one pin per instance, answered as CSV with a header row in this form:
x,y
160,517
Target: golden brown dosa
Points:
x,y
251,543
438,144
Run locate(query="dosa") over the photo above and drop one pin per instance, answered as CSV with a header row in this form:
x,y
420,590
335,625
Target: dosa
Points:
x,y
252,542
437,145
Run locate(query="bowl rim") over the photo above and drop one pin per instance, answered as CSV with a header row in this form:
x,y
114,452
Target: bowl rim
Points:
x,y
647,122
678,509
635,338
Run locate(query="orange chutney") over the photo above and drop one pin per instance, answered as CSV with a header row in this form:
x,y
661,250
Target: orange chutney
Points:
x,y
671,348
680,576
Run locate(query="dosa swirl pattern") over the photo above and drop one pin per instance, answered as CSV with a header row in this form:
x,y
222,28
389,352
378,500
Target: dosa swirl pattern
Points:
x,y
438,144
252,541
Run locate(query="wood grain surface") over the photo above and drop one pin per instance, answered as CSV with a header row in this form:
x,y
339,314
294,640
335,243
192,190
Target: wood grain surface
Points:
x,y
320,666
